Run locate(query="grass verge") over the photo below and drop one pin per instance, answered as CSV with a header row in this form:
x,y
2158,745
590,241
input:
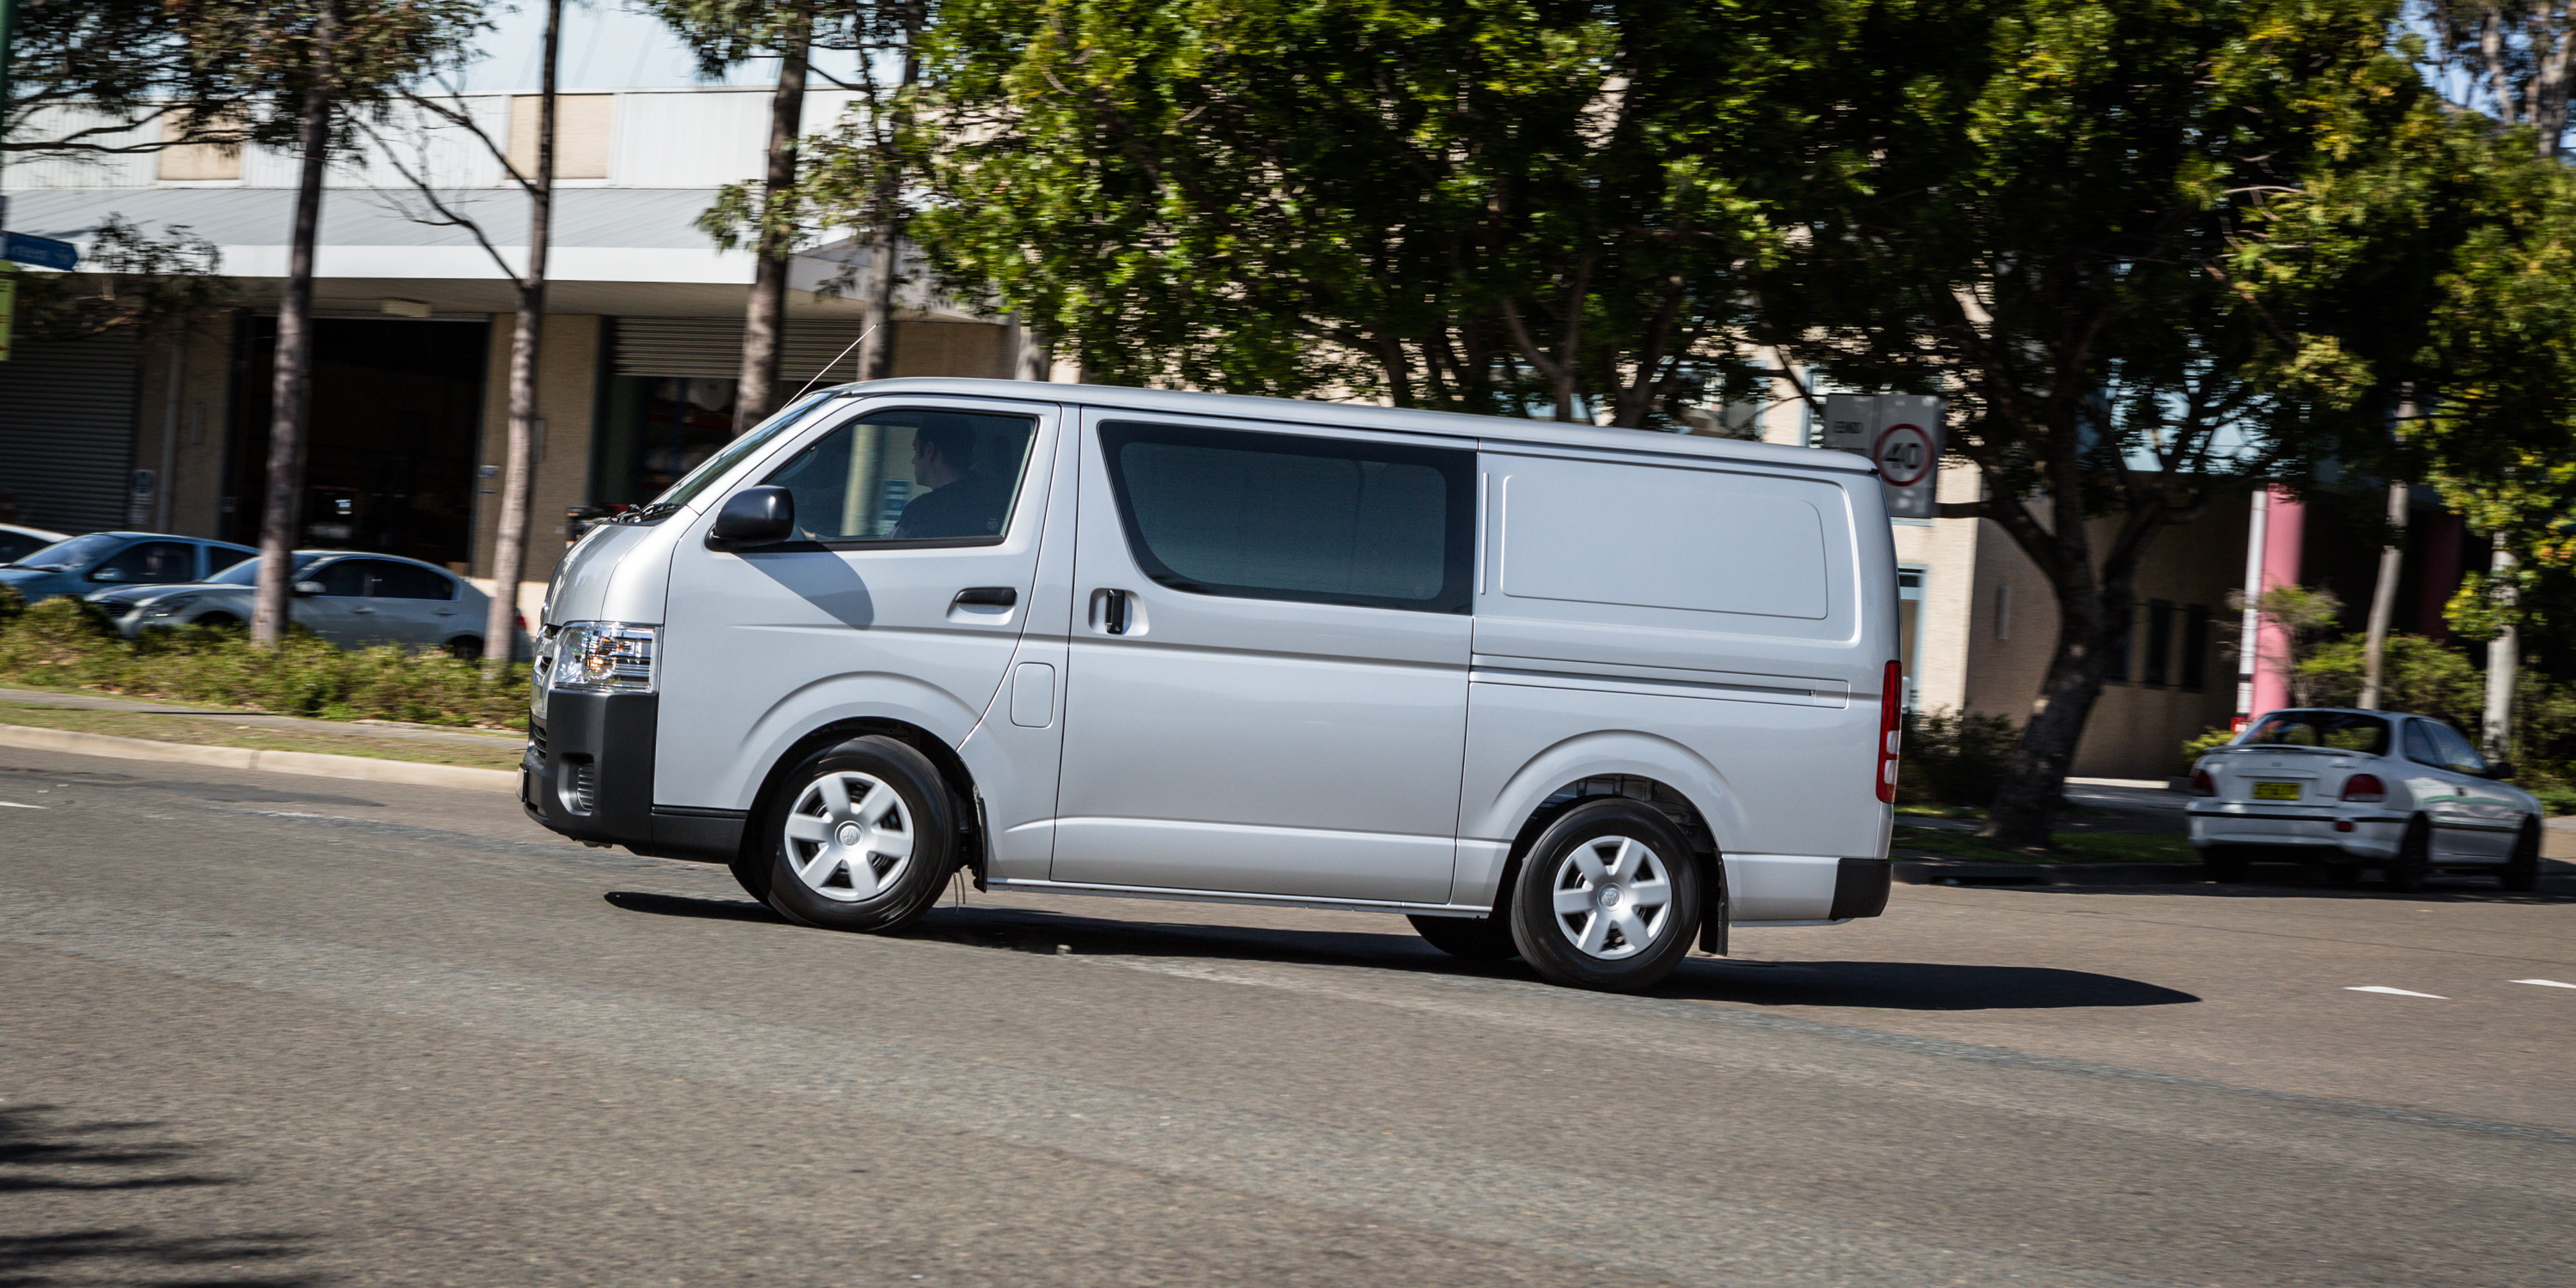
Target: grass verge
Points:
x,y
216,731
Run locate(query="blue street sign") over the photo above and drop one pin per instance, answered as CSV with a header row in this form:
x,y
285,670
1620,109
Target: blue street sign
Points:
x,y
43,252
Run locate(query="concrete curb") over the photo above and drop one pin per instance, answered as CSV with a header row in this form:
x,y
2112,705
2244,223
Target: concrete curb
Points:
x,y
366,769
1917,872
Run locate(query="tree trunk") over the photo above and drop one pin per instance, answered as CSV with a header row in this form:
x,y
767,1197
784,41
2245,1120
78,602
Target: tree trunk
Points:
x,y
2491,52
764,321
2504,659
2093,607
519,463
292,377
2383,597
2549,83
877,349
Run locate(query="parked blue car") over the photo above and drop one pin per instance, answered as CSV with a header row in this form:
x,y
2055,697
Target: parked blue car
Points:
x,y
95,561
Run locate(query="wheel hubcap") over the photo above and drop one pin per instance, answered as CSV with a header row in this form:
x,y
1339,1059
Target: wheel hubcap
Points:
x,y
849,837
1613,897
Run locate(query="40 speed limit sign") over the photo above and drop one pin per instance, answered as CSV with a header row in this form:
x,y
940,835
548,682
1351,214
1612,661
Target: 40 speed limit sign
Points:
x,y
1901,435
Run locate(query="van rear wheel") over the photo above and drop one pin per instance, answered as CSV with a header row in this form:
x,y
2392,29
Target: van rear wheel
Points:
x,y
1475,939
1608,898
861,837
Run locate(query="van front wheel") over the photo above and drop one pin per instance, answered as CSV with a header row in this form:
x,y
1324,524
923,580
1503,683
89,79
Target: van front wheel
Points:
x,y
1608,898
859,838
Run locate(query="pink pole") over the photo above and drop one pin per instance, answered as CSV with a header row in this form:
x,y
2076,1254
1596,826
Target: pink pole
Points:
x,y
2282,530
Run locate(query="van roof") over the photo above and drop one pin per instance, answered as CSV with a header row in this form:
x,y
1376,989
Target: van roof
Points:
x,y
1509,429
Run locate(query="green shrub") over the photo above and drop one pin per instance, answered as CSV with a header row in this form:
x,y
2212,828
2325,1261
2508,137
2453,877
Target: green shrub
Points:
x,y
2418,676
2193,749
1954,759
65,643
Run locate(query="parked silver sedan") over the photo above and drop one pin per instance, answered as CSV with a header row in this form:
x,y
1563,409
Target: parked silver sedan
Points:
x,y
350,599
2406,794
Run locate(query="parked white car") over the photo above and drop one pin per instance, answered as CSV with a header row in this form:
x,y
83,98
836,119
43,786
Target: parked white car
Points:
x,y
352,600
17,542
2406,794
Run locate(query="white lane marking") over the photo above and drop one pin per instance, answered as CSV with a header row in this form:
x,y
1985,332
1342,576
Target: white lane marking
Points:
x,y
16,805
2544,983
2393,992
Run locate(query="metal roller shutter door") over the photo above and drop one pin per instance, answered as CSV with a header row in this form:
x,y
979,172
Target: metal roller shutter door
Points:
x,y
67,430
711,349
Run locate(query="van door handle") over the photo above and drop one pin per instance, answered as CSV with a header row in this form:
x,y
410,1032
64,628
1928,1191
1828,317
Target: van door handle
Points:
x,y
986,597
1113,612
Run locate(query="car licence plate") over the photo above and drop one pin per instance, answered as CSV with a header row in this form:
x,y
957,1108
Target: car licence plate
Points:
x,y
2276,791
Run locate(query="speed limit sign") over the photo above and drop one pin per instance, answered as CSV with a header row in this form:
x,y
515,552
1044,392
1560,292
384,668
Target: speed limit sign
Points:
x,y
1904,454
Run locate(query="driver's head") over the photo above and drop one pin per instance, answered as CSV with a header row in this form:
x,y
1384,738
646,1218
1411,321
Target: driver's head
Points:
x,y
942,453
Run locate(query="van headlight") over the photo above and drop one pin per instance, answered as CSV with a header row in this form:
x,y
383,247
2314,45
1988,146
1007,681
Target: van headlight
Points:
x,y
604,657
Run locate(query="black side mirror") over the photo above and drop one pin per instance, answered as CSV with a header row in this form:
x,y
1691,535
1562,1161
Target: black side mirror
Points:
x,y
754,516
2499,770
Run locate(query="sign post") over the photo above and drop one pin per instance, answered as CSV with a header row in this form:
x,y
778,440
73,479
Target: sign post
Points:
x,y
8,304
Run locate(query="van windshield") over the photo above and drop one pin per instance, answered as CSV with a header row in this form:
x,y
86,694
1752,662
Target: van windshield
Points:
x,y
722,463
2333,730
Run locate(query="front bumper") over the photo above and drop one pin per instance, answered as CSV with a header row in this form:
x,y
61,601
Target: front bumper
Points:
x,y
588,774
2364,831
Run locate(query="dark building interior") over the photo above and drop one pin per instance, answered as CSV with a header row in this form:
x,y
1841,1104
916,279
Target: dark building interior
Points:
x,y
390,440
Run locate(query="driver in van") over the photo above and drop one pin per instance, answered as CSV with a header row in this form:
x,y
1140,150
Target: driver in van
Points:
x,y
963,501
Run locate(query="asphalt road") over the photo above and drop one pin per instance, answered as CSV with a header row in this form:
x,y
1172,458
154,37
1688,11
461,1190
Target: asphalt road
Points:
x,y
269,1030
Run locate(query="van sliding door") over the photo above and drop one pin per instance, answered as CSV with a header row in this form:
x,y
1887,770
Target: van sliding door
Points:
x,y
1267,687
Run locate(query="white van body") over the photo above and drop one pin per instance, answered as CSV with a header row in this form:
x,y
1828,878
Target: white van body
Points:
x,y
1256,650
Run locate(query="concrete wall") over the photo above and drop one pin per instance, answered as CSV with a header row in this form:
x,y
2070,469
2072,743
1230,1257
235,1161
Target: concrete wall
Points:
x,y
195,483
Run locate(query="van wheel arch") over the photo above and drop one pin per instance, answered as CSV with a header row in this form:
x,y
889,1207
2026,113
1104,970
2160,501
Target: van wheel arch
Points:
x,y
1637,787
951,766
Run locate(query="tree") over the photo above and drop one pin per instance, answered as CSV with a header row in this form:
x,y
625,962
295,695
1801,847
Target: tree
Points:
x,y
528,286
2508,60
1496,206
769,216
2117,235
84,78
132,280
307,72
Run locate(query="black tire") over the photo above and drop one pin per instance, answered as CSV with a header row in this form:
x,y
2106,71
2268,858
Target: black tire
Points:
x,y
1475,939
1548,939
2521,874
2413,863
466,648
815,876
2346,873
2225,864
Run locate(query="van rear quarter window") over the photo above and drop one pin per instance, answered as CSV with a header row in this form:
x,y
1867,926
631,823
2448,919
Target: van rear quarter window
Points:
x,y
1295,517
1661,538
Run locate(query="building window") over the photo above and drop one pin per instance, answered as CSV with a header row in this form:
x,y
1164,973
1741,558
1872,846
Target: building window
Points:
x,y
1909,622
197,161
2159,667
2195,646
2116,648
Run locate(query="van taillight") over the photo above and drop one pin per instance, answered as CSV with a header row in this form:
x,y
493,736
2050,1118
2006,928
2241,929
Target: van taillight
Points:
x,y
2202,784
1891,728
2364,787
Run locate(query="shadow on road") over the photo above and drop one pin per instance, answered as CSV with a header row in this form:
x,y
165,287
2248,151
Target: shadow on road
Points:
x,y
45,1154
1916,986
1910,986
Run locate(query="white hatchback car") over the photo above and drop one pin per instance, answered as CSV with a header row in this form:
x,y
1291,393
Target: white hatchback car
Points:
x,y
2406,794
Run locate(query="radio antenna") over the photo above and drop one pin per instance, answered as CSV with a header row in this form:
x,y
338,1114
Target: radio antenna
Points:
x,y
836,361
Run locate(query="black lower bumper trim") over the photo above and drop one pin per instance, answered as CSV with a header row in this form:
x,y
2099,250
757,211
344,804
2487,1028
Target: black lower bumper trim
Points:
x,y
1860,888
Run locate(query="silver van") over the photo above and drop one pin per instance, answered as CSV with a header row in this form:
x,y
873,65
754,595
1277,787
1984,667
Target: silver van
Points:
x,y
1576,695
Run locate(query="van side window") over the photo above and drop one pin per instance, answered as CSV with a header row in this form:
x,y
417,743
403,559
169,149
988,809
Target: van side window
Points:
x,y
910,476
1287,516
